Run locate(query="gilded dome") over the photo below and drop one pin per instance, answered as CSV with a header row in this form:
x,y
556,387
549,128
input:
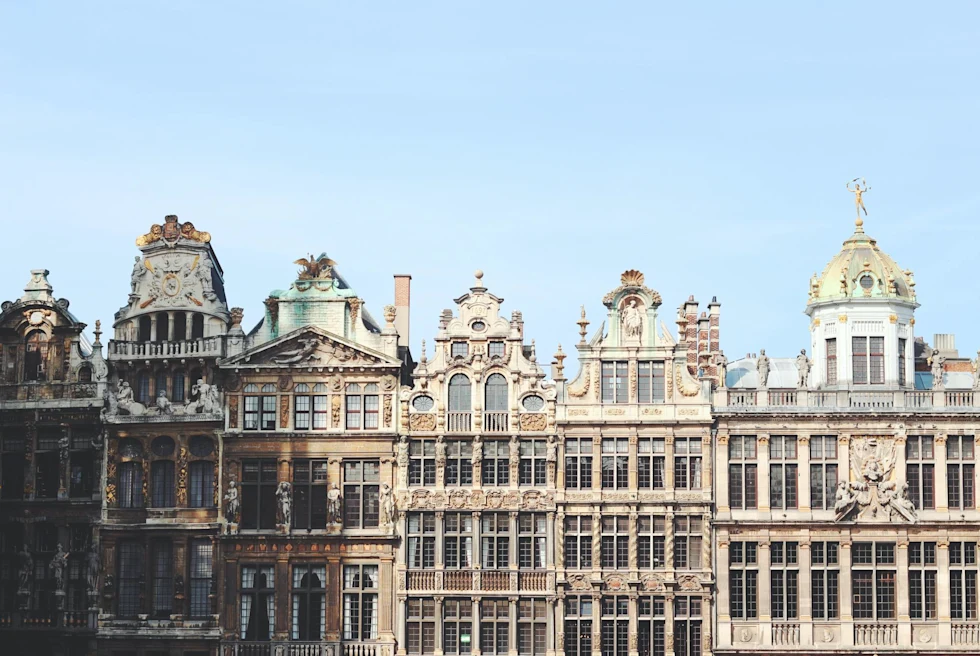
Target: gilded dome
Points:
x,y
861,270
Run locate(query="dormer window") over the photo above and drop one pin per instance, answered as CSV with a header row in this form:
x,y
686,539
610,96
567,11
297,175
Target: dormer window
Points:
x,y
459,350
868,360
36,356
866,282
496,349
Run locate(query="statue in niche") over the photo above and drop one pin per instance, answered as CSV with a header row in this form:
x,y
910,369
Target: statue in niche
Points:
x,y
284,494
440,451
232,504
477,450
334,502
552,453
936,365
138,270
402,457
26,569
762,367
632,319
387,506
94,565
305,351
126,402
803,366
58,564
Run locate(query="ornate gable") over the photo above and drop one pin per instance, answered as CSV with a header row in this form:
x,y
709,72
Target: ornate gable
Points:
x,y
311,347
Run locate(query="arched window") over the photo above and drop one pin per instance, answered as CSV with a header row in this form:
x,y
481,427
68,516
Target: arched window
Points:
x,y
131,484
85,374
460,395
143,388
162,479
197,326
496,394
201,484
36,356
144,330
180,326
177,391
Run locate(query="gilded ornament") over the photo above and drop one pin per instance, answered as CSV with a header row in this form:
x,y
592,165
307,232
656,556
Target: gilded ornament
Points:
x,y
315,268
354,304
182,477
233,411
284,411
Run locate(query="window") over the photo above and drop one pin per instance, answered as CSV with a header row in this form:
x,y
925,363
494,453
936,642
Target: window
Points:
x,y
496,462
143,388
179,385
901,360
532,625
963,580
360,602
687,541
258,602
496,349
80,474
319,407
362,406
459,350
784,574
458,540
202,484
959,471
873,580
687,626
652,626
532,540
163,578
309,493
687,463
495,536
533,403
615,541
922,580
47,463
650,468
162,477
259,482
578,542
823,471
920,471
831,361
201,572
302,405
461,403
36,356
459,463
130,572
494,626
421,626
615,463
422,462
868,360
85,374
651,536
421,540
533,466
309,617
614,385
578,463
12,468
783,477
260,407
578,626
742,472
457,626
495,404
743,580
615,626
824,580
131,484
160,384
650,383
361,493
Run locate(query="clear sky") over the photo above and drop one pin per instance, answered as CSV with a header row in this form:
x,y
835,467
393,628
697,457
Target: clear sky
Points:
x,y
551,144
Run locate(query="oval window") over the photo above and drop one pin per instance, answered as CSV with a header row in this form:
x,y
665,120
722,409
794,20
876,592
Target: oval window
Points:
x,y
201,446
130,448
867,282
479,326
162,446
423,403
533,403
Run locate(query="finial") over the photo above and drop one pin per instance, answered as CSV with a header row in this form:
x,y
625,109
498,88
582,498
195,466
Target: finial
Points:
x,y
98,331
582,326
423,358
479,277
534,350
859,188
559,363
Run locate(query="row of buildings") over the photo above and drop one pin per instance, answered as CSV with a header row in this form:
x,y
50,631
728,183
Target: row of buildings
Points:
x,y
313,488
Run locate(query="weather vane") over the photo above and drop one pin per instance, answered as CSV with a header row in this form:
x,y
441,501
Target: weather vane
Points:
x,y
859,188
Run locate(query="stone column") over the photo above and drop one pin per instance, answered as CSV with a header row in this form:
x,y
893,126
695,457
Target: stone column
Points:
x,y
440,533
845,599
762,456
844,459
596,542
805,601
514,541
475,630
400,629
942,492
512,626
723,586
669,624
153,327
942,594
669,463
281,623
765,592
803,457
721,475
335,574
549,644
634,625
549,547
477,542
596,626
669,541
901,591
386,590
597,463
559,548
633,549
439,646
188,325
170,326
633,476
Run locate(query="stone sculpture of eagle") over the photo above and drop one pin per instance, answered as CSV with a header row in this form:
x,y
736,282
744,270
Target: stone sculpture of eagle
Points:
x,y
315,268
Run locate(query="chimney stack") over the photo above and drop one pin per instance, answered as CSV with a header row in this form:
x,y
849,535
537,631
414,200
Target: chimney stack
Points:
x,y
403,298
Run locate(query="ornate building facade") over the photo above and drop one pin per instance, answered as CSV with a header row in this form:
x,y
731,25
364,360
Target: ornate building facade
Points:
x,y
633,552
51,389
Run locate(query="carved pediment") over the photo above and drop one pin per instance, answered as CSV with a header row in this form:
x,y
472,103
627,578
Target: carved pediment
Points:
x,y
312,348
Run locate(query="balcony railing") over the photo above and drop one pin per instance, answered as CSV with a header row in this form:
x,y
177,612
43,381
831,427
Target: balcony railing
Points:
x,y
966,634
959,399
459,422
866,400
875,635
785,635
200,347
918,399
69,620
478,580
296,648
741,399
782,398
495,422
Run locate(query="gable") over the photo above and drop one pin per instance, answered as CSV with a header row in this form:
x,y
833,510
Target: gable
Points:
x,y
311,347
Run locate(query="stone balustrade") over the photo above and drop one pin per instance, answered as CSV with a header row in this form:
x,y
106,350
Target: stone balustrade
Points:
x,y
196,348
766,400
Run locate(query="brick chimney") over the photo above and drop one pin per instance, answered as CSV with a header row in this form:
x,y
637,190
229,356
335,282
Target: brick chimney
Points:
x,y
691,334
403,301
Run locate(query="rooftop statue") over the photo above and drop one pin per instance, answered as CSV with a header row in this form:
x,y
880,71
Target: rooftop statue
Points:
x,y
858,192
762,366
315,268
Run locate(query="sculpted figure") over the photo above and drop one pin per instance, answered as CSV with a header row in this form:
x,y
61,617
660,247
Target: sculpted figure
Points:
x,y
762,366
387,506
304,352
936,363
552,454
976,371
402,457
210,399
845,500
138,270
632,320
802,370
722,364
440,451
858,192
232,504
163,403
26,568
63,446
94,565
477,450
334,502
126,402
515,449
284,494
204,273
58,564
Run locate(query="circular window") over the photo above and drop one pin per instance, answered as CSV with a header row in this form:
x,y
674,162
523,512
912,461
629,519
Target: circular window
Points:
x,y
162,446
130,448
201,446
423,403
867,282
478,326
533,403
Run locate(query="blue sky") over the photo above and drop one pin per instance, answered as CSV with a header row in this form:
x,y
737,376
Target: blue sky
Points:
x,y
551,144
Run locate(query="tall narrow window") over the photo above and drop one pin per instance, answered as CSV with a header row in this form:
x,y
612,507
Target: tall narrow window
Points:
x,y
267,418
495,404
615,626
533,469
783,475
457,627
459,463
687,625
361,493
687,463
615,542
831,361
309,493
201,572
868,360
873,580
422,462
532,625
460,404
743,580
319,407
420,626
959,471
495,535
742,472
963,580
130,573
131,484
578,626
360,602
784,575
687,541
260,407
532,540
650,383
309,618
496,462
578,542
162,477
922,580
257,613
920,471
823,471
494,626
614,382
201,484
259,482
458,540
651,536
163,578
362,406
650,466
578,463
652,626
36,356
421,540
302,403
824,580
901,360
615,463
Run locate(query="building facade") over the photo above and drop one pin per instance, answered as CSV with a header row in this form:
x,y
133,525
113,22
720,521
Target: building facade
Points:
x,y
51,446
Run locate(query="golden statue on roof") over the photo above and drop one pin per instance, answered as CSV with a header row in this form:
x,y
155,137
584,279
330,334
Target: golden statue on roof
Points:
x,y
315,268
858,192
